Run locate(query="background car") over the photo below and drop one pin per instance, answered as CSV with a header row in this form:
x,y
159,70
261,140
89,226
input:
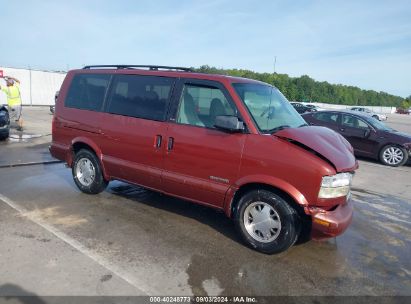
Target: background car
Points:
x,y
53,107
301,108
4,122
368,136
314,107
403,111
370,113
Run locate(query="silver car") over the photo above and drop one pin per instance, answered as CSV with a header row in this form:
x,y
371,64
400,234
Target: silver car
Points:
x,y
377,116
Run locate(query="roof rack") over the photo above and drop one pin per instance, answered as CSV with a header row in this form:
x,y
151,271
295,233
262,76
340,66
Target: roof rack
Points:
x,y
150,67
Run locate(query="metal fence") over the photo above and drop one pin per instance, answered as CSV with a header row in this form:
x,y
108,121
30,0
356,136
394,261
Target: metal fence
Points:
x,y
375,109
36,87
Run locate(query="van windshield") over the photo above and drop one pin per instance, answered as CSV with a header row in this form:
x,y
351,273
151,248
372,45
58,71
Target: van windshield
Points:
x,y
268,107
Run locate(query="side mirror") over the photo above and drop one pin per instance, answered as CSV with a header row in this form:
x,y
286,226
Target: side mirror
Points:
x,y
367,132
229,123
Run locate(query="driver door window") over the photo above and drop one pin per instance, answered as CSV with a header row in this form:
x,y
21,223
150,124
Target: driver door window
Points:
x,y
353,122
199,106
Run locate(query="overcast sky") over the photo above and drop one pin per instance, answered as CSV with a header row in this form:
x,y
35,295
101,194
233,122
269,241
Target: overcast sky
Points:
x,y
360,43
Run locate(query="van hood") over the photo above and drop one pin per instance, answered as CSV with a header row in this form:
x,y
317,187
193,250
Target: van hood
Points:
x,y
329,144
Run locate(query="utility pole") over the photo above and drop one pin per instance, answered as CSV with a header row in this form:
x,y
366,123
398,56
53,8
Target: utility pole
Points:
x,y
275,61
31,95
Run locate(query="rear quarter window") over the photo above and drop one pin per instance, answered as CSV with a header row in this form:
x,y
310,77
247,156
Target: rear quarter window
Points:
x,y
87,91
326,117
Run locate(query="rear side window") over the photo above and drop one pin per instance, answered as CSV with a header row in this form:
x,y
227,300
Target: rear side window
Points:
x,y
327,117
87,91
140,96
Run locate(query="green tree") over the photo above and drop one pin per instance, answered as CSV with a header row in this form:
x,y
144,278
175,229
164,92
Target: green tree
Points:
x,y
305,88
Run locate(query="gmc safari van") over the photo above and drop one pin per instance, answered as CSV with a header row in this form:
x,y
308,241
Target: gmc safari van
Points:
x,y
233,144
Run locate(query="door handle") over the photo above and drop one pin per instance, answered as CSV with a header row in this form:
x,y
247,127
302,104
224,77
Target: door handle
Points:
x,y
157,141
170,144
342,129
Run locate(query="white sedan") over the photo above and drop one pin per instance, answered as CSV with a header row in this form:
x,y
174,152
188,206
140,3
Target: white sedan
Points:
x,y
377,116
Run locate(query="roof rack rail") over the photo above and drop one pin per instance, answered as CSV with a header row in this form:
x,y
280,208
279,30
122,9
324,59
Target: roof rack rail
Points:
x,y
150,67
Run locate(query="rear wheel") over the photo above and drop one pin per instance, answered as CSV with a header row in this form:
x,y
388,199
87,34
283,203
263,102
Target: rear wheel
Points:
x,y
266,221
393,156
87,173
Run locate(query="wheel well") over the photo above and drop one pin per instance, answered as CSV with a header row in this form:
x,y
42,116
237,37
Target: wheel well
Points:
x,y
80,145
390,144
253,186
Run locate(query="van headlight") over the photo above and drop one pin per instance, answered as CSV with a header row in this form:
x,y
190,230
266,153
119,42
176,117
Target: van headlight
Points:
x,y
335,186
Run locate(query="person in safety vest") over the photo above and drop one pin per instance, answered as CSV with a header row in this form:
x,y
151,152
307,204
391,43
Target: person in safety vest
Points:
x,y
12,91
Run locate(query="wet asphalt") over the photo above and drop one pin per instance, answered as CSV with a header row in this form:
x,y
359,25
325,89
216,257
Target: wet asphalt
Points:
x,y
55,240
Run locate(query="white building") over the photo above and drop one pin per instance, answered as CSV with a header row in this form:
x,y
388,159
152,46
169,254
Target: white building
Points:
x,y
36,87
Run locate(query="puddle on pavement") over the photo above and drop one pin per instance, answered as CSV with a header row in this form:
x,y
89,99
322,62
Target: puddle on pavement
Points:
x,y
371,257
23,137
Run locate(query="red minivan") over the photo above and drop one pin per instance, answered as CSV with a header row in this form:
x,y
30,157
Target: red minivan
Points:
x,y
230,143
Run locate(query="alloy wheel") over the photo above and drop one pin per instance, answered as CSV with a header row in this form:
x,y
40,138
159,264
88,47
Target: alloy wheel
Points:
x,y
393,155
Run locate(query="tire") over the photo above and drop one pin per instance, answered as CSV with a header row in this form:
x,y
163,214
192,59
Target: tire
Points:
x,y
5,136
274,237
394,156
87,173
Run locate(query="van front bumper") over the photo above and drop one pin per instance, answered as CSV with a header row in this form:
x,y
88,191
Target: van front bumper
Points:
x,y
327,224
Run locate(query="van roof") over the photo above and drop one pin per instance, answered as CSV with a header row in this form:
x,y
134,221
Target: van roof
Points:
x,y
163,71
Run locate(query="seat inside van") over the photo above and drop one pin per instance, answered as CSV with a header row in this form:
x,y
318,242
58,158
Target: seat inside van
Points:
x,y
187,113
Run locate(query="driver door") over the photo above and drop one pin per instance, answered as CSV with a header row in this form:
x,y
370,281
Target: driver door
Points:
x,y
359,134
201,162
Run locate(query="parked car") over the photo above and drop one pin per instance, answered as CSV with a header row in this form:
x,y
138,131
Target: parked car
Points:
x,y
301,108
403,111
314,108
52,107
368,136
366,111
230,143
4,122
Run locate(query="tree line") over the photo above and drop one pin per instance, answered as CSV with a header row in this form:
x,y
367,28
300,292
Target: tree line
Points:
x,y
307,89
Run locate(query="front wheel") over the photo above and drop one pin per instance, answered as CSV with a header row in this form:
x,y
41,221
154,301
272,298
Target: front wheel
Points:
x,y
266,221
393,156
87,173
5,136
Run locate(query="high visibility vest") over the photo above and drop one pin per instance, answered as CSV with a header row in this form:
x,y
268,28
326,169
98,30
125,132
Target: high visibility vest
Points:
x,y
13,95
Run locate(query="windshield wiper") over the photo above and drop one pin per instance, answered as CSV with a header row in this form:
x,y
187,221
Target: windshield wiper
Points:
x,y
303,125
273,130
